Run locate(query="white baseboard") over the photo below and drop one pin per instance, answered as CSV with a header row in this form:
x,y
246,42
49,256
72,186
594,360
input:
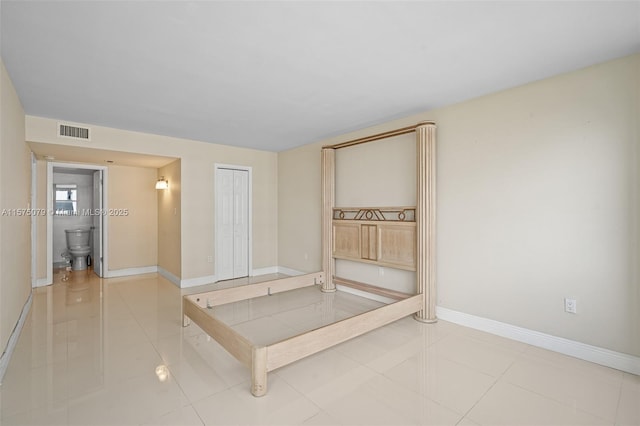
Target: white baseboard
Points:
x,y
41,282
13,339
288,271
194,282
168,275
130,271
265,271
364,294
209,279
602,356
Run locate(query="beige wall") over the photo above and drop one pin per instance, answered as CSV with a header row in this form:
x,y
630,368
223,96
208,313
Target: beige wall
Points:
x,y
169,220
133,236
15,190
377,174
197,187
538,200
299,208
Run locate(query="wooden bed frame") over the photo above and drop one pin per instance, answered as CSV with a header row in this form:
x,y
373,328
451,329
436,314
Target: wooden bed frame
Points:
x,y
397,237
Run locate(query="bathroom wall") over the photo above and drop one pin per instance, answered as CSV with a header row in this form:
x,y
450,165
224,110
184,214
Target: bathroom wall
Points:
x,y
85,202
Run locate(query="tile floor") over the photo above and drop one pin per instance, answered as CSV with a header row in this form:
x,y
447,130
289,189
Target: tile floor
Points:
x,y
113,352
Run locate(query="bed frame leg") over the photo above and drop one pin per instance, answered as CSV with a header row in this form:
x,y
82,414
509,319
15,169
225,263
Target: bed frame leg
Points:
x,y
259,370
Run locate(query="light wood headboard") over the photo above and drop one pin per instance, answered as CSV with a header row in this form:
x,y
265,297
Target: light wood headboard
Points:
x,y
384,236
365,237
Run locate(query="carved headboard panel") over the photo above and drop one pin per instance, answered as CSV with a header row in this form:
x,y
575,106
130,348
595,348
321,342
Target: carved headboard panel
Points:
x,y
384,236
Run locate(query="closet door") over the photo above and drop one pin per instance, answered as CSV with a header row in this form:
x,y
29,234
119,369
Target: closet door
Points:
x,y
240,223
232,223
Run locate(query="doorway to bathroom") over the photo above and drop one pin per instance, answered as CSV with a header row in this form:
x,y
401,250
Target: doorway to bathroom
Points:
x,y
233,221
76,202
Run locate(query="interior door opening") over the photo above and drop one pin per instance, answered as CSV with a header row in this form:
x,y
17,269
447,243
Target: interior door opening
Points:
x,y
75,201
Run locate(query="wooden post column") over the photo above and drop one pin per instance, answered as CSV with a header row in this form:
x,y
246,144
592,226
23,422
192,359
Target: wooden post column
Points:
x,y
328,201
426,220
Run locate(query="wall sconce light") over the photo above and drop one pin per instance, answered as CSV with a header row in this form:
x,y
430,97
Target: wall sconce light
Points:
x,y
162,183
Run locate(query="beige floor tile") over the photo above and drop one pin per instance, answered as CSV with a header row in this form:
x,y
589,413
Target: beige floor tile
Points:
x,y
321,419
264,331
507,404
631,381
431,331
467,422
183,416
395,356
133,401
200,350
380,401
569,362
493,339
282,405
453,385
42,416
629,407
199,380
121,332
89,351
490,359
126,362
590,393
43,343
325,393
317,373
25,389
157,325
377,344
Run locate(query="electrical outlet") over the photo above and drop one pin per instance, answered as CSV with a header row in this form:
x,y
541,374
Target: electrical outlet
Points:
x,y
209,259
570,306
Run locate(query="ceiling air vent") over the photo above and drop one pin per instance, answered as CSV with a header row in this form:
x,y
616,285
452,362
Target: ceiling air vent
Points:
x,y
74,132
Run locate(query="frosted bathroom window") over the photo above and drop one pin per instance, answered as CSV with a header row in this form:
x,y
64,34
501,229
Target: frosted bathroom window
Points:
x,y
66,199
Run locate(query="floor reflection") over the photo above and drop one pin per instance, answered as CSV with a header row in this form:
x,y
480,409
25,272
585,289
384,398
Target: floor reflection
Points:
x,y
114,352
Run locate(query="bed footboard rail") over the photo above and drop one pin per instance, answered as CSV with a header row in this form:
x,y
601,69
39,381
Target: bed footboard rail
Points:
x,y
223,296
300,346
234,343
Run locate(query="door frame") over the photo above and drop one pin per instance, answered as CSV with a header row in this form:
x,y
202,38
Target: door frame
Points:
x,y
34,221
105,218
218,166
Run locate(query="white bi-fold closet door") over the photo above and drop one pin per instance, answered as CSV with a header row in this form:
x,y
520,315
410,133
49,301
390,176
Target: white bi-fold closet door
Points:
x,y
232,222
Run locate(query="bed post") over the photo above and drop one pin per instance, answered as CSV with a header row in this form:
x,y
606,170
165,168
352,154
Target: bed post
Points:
x,y
259,370
328,201
426,220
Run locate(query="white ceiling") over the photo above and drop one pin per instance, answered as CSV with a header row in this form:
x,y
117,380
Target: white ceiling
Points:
x,y
275,75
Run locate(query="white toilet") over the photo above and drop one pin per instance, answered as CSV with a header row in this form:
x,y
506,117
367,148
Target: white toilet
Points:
x,y
78,247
